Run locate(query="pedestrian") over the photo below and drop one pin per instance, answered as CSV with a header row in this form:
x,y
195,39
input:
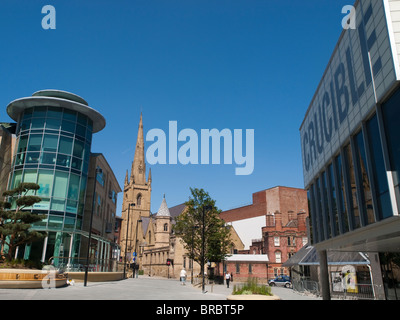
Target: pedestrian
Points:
x,y
227,278
183,276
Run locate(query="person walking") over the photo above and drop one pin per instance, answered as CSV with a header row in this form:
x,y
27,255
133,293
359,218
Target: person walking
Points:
x,y
183,276
227,278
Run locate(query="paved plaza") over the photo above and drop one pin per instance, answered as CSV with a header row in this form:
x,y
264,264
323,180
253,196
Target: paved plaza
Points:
x,y
142,288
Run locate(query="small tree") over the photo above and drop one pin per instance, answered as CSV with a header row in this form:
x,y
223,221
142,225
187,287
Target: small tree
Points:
x,y
15,224
189,226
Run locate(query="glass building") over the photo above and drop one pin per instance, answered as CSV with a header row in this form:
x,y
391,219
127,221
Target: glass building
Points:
x,y
54,135
350,141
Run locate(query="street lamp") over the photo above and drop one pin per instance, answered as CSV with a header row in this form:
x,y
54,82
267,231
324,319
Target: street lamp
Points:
x,y
126,237
97,171
134,265
203,247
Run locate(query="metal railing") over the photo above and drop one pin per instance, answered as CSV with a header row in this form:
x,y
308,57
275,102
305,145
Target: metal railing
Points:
x,y
306,286
338,291
356,292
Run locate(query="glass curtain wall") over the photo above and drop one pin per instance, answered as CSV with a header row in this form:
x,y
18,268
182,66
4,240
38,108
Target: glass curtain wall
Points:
x,y
353,190
53,149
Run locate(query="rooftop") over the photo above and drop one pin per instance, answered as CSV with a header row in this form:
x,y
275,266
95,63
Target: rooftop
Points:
x,y
57,98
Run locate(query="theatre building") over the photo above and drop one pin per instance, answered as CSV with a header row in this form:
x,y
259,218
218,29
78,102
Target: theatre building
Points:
x,y
351,147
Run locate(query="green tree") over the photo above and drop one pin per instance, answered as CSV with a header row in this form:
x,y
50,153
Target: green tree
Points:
x,y
189,226
15,225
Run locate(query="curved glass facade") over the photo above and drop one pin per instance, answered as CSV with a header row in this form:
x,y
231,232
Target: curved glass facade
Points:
x,y
52,150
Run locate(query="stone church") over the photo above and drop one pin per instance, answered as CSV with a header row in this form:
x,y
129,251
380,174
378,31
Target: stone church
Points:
x,y
147,239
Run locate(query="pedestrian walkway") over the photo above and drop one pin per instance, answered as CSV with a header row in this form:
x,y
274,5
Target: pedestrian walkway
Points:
x,y
142,288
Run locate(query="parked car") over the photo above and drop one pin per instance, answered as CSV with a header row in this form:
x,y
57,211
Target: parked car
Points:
x,y
281,281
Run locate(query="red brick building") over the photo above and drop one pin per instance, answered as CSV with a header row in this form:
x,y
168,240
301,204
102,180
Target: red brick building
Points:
x,y
273,225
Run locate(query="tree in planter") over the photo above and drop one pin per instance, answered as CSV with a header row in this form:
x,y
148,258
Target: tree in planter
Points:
x,y
15,224
189,226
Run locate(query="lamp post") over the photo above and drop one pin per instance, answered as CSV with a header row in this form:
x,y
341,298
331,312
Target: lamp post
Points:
x,y
126,237
97,171
203,247
191,273
134,265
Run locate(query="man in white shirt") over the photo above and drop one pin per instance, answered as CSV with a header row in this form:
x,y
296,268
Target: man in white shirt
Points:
x,y
227,278
183,276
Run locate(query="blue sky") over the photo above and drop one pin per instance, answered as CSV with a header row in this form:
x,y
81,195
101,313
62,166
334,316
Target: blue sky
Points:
x,y
236,64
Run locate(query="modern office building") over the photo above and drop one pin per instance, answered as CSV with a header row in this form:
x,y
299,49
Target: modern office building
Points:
x,y
53,142
350,143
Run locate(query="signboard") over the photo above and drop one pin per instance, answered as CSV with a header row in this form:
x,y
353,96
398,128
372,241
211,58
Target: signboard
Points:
x,y
360,72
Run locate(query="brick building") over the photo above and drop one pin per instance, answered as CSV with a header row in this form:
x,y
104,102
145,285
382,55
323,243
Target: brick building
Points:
x,y
273,225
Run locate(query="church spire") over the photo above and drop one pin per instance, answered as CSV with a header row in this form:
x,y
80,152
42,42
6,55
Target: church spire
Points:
x,y
126,178
138,172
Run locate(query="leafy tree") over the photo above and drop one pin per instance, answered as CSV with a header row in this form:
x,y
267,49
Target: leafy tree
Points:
x,y
189,226
15,225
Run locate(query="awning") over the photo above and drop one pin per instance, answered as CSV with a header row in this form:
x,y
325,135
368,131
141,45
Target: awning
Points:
x,y
307,256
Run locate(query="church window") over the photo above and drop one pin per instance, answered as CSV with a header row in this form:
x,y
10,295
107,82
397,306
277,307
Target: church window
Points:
x,y
165,226
139,200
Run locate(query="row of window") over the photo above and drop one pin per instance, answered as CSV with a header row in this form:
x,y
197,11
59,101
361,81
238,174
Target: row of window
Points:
x,y
290,241
56,119
60,191
56,222
353,190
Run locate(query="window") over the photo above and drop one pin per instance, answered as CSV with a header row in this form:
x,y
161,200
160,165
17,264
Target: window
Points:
x,y
35,142
48,158
363,179
250,268
341,195
277,241
53,124
73,187
50,143
278,257
60,184
65,145
378,170
354,215
325,206
45,181
237,267
16,179
139,200
100,176
165,226
391,119
78,149
332,191
23,141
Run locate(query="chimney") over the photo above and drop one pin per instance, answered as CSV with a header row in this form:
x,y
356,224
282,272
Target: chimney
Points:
x,y
278,220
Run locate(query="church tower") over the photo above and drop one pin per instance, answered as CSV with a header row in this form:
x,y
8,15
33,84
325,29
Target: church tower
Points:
x,y
162,226
136,198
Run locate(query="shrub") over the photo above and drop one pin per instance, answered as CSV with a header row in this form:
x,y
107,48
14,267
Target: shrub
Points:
x,y
251,287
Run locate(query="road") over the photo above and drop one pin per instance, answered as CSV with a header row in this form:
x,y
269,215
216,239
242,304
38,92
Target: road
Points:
x,y
142,288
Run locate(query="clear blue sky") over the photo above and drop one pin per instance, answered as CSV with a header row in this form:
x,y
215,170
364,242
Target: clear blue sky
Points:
x,y
236,64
